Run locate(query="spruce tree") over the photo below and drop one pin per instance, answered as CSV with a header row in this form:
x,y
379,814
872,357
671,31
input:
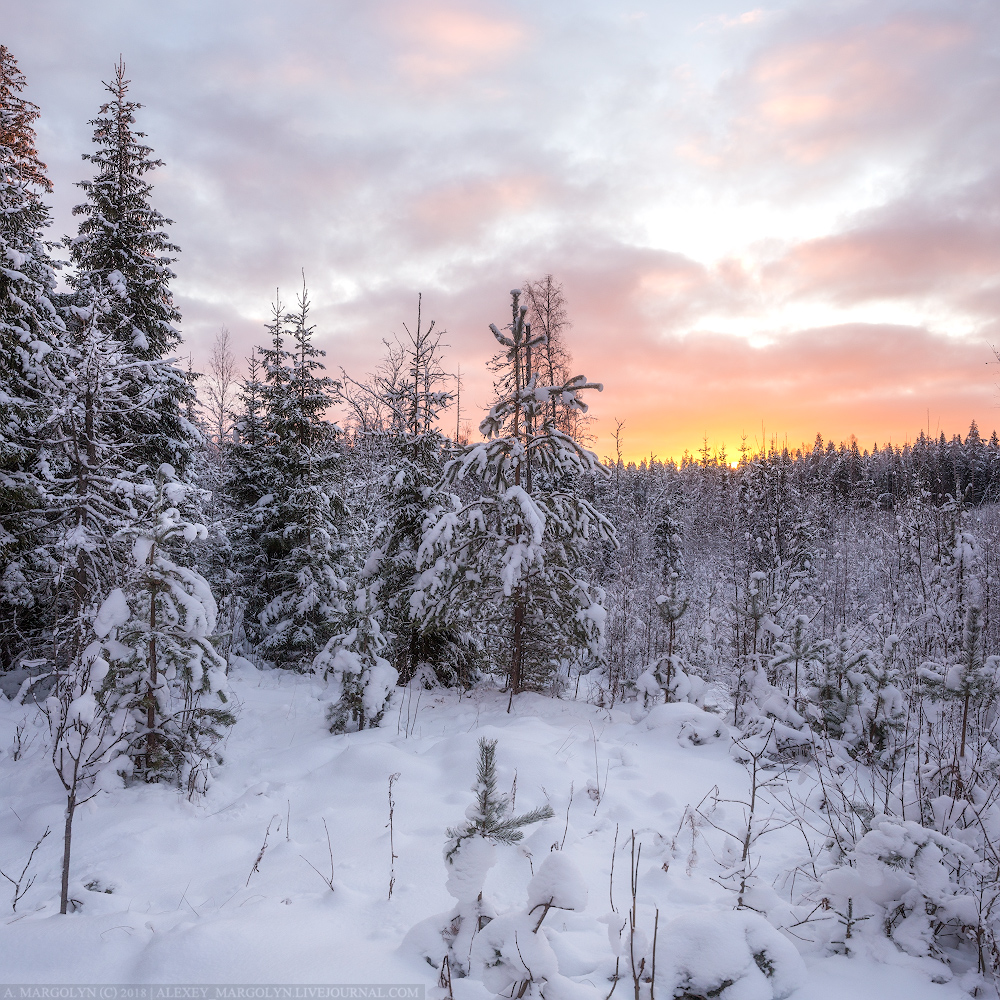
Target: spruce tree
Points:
x,y
122,254
411,493
29,363
302,516
245,492
91,481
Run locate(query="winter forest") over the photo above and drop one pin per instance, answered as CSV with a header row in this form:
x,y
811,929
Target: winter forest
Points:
x,y
301,683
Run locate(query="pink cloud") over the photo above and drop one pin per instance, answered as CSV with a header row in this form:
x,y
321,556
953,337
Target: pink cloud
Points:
x,y
442,44
816,91
458,210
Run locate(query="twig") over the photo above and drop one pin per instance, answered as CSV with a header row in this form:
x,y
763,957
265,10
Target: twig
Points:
x,y
611,881
19,893
652,974
444,978
562,843
260,854
392,846
632,919
328,881
597,771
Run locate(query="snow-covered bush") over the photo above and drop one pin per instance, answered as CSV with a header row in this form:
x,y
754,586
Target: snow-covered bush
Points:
x,y
766,712
672,679
900,879
726,955
363,679
512,954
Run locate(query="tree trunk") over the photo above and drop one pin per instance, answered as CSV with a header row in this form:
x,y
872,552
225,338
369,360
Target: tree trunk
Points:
x,y
517,649
965,723
67,843
151,741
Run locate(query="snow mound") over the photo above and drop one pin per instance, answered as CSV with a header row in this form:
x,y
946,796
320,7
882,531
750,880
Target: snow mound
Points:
x,y
557,883
729,955
688,724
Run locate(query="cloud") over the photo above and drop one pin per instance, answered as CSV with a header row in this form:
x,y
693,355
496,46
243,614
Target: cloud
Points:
x,y
441,44
816,180
913,257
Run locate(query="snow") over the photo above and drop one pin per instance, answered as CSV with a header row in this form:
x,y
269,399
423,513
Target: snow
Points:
x,y
114,611
705,949
169,892
557,882
468,868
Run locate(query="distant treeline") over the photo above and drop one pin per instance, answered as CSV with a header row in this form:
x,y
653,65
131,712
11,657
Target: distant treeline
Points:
x,y
941,467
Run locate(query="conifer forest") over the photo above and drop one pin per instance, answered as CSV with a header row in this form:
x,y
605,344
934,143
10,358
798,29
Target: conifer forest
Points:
x,y
494,714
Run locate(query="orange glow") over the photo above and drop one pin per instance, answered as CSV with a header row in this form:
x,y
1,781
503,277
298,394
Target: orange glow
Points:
x,y
881,384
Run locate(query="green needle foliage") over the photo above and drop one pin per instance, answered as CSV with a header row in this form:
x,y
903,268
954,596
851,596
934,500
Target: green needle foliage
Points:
x,y
491,817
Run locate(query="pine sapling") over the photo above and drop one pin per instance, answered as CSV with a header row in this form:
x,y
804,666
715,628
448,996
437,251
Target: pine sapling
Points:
x,y
491,818
470,852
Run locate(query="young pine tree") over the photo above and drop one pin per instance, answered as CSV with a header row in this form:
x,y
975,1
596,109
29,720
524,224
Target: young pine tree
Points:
x,y
510,555
470,852
165,662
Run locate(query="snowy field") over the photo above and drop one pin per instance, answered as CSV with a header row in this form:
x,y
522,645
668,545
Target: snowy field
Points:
x,y
176,891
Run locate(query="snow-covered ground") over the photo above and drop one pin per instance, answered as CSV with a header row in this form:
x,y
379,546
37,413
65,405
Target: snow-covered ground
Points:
x,y
177,891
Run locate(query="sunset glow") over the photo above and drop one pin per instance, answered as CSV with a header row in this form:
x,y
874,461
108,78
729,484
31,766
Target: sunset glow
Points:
x,y
770,222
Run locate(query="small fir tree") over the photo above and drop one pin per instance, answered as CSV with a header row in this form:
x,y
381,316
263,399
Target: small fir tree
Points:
x,y
302,516
165,662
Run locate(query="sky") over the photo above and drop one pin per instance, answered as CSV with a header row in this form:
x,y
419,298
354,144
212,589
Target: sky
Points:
x,y
768,221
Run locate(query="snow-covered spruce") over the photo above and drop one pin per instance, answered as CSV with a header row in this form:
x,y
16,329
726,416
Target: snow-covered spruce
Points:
x,y
30,365
122,255
159,640
294,531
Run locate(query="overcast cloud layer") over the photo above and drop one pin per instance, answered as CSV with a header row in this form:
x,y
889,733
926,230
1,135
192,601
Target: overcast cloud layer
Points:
x,y
778,221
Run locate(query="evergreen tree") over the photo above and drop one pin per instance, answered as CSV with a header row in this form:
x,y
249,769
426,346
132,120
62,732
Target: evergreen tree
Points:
x,y
512,554
122,254
165,665
470,852
672,603
300,520
411,493
92,478
29,365
243,486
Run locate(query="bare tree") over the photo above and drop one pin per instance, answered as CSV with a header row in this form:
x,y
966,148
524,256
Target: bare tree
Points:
x,y
220,387
547,316
86,736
